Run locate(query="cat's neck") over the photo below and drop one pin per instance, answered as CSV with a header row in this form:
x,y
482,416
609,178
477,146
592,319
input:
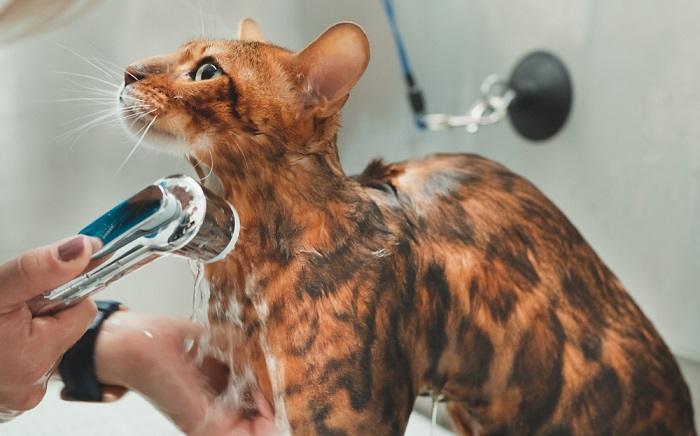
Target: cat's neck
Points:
x,y
288,203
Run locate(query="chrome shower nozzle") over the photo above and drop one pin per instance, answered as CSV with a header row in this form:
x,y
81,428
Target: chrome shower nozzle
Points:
x,y
175,215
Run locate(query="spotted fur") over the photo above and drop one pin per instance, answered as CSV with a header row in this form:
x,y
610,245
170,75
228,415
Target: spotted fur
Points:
x,y
447,275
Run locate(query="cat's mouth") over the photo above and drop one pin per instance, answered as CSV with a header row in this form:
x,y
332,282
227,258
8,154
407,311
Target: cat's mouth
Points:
x,y
137,116
148,126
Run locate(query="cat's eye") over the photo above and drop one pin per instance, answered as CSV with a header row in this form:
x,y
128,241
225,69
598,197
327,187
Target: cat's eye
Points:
x,y
207,71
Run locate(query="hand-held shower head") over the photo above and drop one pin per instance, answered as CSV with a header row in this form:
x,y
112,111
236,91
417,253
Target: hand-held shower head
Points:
x,y
175,215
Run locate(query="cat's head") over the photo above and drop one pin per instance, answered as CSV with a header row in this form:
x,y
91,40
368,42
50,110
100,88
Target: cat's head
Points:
x,y
216,93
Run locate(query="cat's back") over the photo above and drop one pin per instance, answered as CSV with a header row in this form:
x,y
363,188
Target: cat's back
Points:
x,y
566,346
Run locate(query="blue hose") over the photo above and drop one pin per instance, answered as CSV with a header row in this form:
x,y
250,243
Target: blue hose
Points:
x,y
415,94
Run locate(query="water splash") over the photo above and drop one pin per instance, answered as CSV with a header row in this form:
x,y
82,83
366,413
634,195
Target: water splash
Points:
x,y
233,396
202,292
243,381
200,312
275,369
433,415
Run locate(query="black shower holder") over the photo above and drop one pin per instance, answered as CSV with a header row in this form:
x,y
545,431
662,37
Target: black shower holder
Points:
x,y
537,98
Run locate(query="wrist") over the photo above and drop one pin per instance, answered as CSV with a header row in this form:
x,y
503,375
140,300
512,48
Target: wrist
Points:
x,y
77,369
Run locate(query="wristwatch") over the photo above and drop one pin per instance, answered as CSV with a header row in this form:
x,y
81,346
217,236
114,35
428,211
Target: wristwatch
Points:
x,y
77,368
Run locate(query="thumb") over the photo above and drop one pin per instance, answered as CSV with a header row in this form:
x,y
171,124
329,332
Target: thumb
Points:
x,y
43,269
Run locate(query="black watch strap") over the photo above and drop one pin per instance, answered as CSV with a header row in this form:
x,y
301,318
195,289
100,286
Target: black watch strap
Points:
x,y
77,369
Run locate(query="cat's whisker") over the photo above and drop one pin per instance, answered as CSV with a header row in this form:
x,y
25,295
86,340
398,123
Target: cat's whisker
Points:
x,y
101,119
83,58
88,127
86,76
107,64
137,116
245,160
140,129
116,66
133,150
113,68
84,88
201,17
100,116
89,116
114,110
81,130
96,100
90,93
82,133
211,166
118,72
133,119
139,111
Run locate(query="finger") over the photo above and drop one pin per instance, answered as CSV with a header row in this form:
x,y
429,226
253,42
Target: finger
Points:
x,y
55,334
25,399
43,268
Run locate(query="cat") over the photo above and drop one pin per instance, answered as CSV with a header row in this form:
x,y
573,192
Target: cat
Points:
x,y
348,297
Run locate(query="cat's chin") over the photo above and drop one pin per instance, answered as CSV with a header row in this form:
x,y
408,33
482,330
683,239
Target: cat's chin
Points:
x,y
165,142
155,138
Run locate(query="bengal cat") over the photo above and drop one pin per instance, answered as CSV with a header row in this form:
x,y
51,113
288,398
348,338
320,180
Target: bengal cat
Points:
x,y
347,297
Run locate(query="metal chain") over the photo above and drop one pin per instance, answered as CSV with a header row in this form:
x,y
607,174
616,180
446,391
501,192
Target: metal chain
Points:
x,y
490,108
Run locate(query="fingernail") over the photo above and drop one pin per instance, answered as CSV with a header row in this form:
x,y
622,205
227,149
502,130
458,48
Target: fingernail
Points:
x,y
96,243
71,249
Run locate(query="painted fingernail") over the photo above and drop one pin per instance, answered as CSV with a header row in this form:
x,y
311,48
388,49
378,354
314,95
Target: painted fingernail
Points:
x,y
71,249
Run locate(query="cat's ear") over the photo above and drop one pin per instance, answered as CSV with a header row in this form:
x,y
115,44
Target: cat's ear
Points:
x,y
331,65
248,30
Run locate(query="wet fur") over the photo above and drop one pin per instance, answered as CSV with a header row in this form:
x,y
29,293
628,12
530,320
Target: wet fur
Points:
x,y
447,275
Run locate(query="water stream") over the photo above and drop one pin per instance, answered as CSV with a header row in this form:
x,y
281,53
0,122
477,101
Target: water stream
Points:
x,y
202,292
234,396
433,415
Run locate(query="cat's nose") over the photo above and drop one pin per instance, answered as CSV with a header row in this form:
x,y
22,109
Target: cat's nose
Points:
x,y
132,74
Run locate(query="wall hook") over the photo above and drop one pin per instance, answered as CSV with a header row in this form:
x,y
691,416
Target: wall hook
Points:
x,y
537,98
543,96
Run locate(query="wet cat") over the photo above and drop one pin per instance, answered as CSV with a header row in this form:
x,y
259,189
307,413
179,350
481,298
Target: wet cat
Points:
x,y
347,297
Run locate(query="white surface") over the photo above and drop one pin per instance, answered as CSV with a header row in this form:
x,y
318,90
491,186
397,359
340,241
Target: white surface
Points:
x,y
130,416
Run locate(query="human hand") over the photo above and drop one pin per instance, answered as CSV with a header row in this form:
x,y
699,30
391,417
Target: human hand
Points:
x,y
147,354
33,346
